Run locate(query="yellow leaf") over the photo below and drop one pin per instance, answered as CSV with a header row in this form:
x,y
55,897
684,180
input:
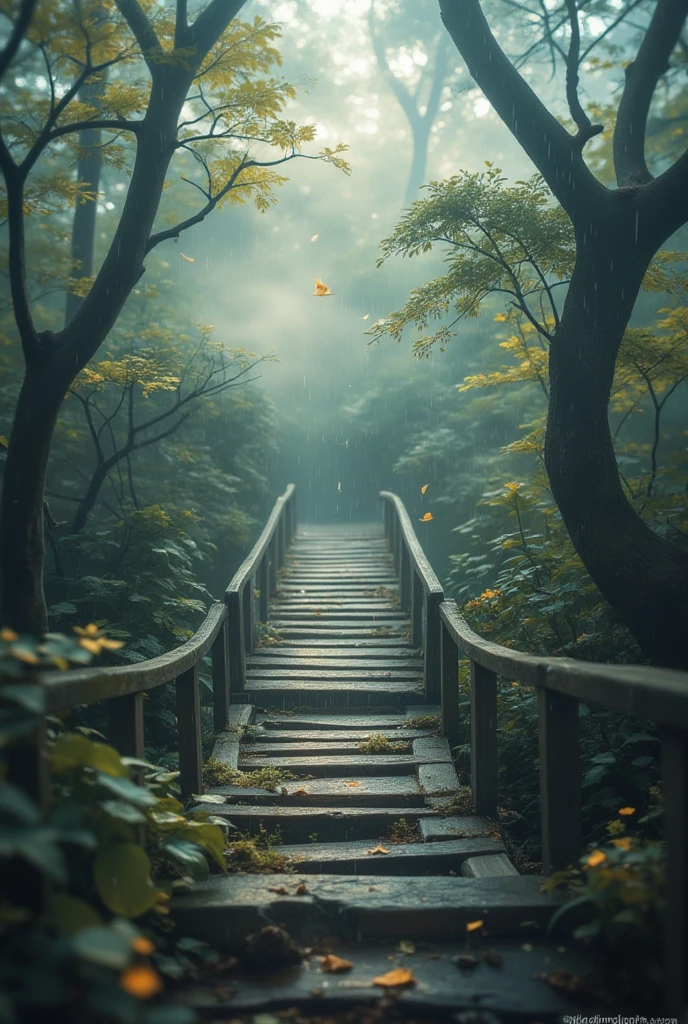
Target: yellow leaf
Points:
x,y
189,259
596,858
315,238
473,926
393,979
332,964
378,849
8,635
321,288
4,443
626,811
426,518
424,488
351,784
141,981
365,317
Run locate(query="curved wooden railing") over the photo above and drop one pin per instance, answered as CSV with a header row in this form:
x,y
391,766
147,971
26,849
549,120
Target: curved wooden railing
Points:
x,y
655,694
228,632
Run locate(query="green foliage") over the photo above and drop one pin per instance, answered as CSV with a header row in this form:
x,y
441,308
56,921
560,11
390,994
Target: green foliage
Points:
x,y
376,744
617,895
87,853
403,831
216,773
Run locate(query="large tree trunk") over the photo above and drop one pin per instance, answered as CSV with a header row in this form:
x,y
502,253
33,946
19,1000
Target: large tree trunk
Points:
x,y
22,548
644,577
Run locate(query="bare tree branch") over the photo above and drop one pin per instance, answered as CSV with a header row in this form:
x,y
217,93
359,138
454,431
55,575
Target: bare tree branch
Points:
x,y
586,130
652,61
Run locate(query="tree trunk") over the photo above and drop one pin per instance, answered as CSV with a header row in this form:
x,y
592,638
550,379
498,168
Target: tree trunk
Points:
x,y
22,547
416,178
643,576
84,223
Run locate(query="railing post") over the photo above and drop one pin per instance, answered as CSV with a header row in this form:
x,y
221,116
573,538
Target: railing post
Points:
x,y
431,653
235,636
271,554
484,740
417,599
28,768
405,578
220,659
263,588
450,687
560,779
675,793
189,732
125,724
248,601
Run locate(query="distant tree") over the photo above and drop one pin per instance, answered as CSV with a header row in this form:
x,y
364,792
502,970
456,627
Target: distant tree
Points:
x,y
617,235
203,90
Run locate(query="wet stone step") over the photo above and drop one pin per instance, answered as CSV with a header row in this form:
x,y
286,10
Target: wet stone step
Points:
x,y
328,824
304,748
369,647
401,859
391,791
333,721
363,675
275,661
337,765
270,737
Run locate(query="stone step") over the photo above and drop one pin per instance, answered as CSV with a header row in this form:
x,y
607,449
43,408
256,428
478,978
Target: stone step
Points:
x,y
331,674
358,857
225,909
332,720
293,738
290,693
336,765
356,791
275,661
328,824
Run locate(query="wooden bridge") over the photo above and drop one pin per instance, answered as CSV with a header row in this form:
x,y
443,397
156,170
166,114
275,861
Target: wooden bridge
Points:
x,y
335,661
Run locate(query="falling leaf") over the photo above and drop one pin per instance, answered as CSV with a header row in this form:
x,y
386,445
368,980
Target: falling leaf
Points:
x,y
321,289
281,890
352,784
189,259
426,518
596,858
141,981
492,957
314,238
473,926
301,889
301,792
332,964
424,488
393,979
466,960
365,317
378,849
405,946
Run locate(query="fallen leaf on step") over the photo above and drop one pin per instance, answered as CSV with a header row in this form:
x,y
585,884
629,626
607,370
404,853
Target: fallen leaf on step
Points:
x,y
316,993
426,518
321,288
406,947
317,611
332,964
466,960
492,957
281,890
378,849
301,792
351,784
473,926
301,889
424,488
393,979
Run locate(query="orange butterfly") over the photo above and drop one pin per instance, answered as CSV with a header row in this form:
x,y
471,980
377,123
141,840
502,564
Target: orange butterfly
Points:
x,y
321,289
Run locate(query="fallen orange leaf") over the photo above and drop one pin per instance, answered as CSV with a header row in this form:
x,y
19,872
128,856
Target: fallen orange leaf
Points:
x,y
301,889
378,849
352,783
473,926
189,259
424,488
301,792
426,518
321,288
281,890
393,979
332,964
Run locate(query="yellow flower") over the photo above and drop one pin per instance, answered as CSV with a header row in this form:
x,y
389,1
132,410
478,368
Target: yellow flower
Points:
x,y
626,811
513,486
141,981
596,858
143,945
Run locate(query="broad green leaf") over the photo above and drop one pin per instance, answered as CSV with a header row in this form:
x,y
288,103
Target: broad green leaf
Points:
x,y
71,914
127,790
103,946
188,858
123,880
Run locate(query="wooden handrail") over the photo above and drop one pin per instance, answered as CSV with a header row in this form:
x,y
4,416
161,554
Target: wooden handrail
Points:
x,y
655,694
227,632
420,590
